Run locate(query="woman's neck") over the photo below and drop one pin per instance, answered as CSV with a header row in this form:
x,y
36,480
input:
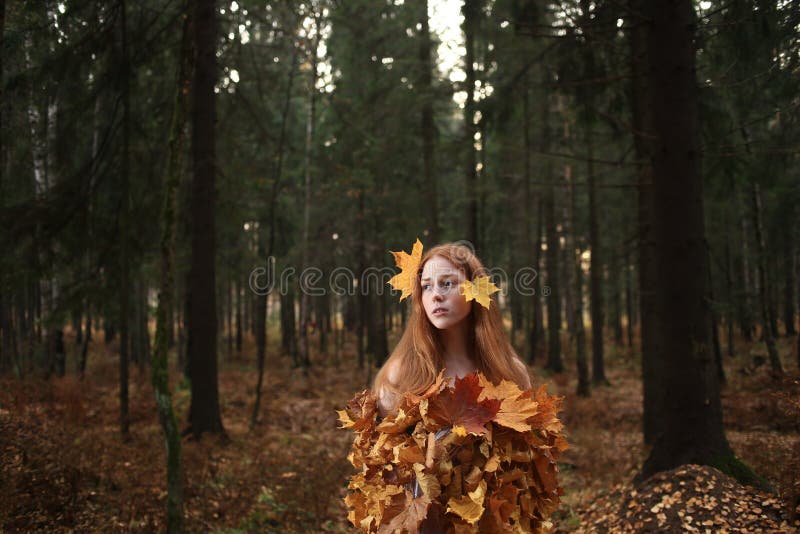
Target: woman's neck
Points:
x,y
457,357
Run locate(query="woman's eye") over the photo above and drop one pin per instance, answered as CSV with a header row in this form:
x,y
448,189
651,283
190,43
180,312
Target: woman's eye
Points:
x,y
448,284
426,287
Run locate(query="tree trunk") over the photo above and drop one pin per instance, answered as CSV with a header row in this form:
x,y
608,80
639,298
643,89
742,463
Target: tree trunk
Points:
x,y
238,290
229,312
288,327
531,245
135,322
789,287
537,329
246,309
746,301
652,360
554,360
324,323
183,327
576,281
262,305
694,413
5,302
5,324
472,11
714,322
763,280
595,270
628,298
427,124
159,364
566,262
87,338
251,307
614,272
597,307
304,352
730,315
124,284
204,415
262,313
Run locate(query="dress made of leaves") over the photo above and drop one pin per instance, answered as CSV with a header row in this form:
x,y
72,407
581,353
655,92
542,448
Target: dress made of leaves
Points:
x,y
471,457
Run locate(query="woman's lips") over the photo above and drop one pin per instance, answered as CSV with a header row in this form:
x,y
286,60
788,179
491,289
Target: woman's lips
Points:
x,y
439,311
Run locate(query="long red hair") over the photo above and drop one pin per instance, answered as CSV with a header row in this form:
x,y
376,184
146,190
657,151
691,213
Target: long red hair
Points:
x,y
419,355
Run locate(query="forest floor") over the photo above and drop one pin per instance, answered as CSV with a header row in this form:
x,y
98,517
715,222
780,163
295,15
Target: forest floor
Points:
x,y
64,467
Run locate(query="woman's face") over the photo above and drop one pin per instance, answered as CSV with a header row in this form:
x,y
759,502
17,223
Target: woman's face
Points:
x,y
444,304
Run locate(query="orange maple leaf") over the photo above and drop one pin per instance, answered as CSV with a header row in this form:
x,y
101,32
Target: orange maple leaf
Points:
x,y
409,265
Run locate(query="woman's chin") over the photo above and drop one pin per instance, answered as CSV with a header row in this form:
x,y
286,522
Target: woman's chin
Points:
x,y
443,323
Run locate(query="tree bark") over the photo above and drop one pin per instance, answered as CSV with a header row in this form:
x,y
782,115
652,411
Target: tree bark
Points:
x,y
693,417
714,323
596,266
229,312
790,286
576,281
537,329
746,301
763,281
159,363
427,124
554,360
628,298
238,290
616,304
472,11
87,339
652,360
124,418
730,314
5,302
262,310
303,346
204,414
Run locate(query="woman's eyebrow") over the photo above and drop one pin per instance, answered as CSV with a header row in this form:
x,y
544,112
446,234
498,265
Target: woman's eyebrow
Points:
x,y
446,275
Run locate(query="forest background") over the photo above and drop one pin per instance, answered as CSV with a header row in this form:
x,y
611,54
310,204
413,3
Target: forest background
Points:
x,y
169,169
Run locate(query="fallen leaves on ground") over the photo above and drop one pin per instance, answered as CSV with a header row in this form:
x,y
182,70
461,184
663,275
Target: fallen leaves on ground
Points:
x,y
64,468
690,498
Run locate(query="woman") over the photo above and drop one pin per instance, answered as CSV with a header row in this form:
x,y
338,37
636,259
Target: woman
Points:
x,y
431,479
447,332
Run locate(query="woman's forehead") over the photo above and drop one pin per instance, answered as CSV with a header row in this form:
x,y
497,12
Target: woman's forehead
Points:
x,y
439,266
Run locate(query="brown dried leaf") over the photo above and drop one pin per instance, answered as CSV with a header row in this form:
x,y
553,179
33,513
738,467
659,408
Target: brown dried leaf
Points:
x,y
413,512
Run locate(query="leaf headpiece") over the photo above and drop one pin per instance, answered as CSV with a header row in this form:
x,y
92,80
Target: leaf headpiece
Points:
x,y
480,289
409,266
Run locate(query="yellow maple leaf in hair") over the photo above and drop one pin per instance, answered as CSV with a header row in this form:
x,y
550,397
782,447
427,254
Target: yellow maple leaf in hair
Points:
x,y
480,290
409,265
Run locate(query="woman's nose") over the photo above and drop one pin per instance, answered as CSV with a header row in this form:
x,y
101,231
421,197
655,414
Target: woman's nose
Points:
x,y
438,296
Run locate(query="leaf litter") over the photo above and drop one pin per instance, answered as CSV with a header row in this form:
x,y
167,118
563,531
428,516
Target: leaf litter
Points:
x,y
63,466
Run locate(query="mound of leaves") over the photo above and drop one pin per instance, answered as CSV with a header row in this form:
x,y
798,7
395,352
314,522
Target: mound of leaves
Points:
x,y
471,457
690,498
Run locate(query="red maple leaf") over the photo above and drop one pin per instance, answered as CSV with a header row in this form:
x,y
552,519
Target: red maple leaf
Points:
x,y
459,407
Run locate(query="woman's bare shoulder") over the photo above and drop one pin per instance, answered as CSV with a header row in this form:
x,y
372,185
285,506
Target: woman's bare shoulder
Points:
x,y
392,370
387,397
524,375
